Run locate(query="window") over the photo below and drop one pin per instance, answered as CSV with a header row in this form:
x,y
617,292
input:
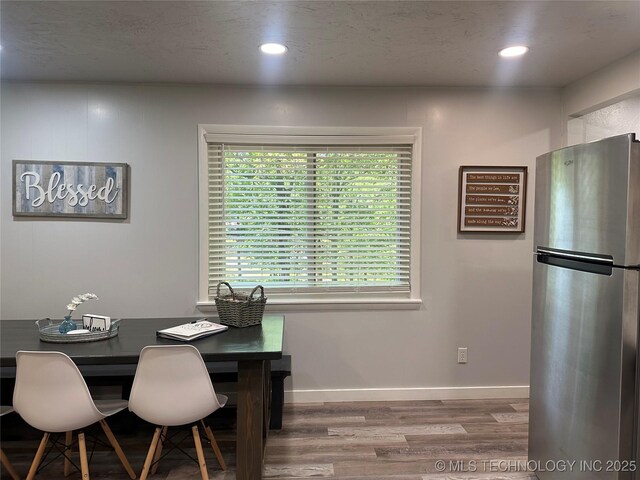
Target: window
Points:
x,y
315,216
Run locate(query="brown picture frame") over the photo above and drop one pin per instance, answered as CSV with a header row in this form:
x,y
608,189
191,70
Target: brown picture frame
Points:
x,y
492,199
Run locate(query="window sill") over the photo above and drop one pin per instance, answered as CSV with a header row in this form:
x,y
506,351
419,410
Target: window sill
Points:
x,y
342,304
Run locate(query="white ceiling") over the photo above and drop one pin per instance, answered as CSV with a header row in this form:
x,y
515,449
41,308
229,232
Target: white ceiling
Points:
x,y
400,43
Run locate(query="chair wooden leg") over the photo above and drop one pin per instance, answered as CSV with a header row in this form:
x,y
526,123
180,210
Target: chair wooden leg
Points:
x,y
150,454
116,446
7,464
156,458
214,445
84,462
68,438
203,464
38,457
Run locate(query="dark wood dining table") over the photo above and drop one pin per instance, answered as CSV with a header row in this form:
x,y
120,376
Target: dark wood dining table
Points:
x,y
252,347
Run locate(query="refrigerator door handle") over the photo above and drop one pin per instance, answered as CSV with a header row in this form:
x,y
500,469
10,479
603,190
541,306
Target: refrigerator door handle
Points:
x,y
583,262
576,256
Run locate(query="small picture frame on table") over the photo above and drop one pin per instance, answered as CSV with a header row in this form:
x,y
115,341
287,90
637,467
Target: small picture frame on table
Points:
x,y
96,323
492,199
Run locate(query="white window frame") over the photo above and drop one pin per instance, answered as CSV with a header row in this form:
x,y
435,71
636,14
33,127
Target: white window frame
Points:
x,y
286,134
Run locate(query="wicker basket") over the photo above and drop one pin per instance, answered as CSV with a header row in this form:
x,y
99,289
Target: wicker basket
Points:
x,y
238,309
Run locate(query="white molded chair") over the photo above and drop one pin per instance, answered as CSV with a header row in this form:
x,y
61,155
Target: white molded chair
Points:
x,y
5,461
51,395
172,387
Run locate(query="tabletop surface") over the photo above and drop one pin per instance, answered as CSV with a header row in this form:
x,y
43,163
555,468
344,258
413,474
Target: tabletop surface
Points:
x,y
259,342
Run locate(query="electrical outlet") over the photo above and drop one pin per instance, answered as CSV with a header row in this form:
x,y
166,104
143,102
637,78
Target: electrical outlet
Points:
x,y
462,355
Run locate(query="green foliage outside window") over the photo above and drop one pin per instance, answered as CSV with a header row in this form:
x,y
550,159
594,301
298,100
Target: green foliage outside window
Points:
x,y
315,218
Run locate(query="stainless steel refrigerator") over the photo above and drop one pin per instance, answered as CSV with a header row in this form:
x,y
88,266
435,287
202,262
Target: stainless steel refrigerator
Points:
x,y
584,404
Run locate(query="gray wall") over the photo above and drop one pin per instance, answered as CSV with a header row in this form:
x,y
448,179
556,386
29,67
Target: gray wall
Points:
x,y
476,288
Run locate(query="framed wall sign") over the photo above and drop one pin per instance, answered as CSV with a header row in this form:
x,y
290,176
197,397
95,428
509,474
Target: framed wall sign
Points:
x,y
70,189
492,199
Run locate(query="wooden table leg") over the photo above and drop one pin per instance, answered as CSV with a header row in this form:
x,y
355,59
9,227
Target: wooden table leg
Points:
x,y
250,419
266,400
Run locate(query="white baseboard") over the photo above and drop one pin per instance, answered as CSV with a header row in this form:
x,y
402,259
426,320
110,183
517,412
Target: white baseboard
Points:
x,y
390,394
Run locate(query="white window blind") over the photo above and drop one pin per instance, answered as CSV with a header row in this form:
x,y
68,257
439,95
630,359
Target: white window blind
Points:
x,y
309,218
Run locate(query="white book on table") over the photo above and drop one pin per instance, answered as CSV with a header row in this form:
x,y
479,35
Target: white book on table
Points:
x,y
192,331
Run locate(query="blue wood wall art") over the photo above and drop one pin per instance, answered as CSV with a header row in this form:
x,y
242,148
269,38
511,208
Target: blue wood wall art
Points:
x,y
70,189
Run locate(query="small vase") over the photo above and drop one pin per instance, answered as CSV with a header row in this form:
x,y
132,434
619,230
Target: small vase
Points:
x,y
67,325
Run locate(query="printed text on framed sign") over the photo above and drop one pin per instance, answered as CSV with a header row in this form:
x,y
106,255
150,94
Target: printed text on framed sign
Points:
x,y
70,189
492,199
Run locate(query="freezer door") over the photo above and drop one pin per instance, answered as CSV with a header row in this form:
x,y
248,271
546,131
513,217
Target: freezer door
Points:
x,y
582,400
588,199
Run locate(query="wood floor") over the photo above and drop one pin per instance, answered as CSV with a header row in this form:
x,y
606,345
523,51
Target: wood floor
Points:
x,y
410,440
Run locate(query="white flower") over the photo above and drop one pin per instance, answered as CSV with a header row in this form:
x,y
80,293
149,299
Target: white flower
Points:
x,y
81,298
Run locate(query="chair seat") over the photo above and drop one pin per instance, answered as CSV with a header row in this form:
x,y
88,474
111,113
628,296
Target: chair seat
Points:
x,y
4,410
179,416
222,399
110,407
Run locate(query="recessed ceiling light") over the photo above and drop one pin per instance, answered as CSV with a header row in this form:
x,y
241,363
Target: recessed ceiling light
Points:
x,y
515,51
273,48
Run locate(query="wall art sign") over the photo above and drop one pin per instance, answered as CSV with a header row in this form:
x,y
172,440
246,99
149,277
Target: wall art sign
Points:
x,y
492,199
70,189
